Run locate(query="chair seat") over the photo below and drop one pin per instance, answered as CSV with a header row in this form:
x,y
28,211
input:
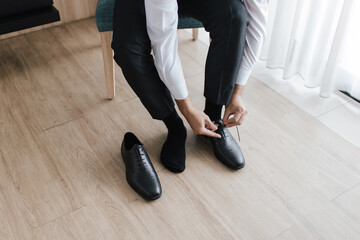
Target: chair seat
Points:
x,y
105,11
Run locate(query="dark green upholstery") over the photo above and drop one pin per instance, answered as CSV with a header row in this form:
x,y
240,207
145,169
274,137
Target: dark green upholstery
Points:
x,y
188,22
105,11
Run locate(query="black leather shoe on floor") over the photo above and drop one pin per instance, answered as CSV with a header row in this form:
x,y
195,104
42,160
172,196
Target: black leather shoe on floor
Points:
x,y
140,173
226,149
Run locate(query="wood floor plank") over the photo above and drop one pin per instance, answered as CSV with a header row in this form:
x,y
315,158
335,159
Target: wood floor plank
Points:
x,y
315,134
307,203
30,170
161,219
297,232
349,202
332,176
239,199
10,216
72,87
38,83
78,224
83,42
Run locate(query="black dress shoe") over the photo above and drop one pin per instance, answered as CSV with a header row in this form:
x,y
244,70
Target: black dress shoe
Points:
x,y
226,149
140,173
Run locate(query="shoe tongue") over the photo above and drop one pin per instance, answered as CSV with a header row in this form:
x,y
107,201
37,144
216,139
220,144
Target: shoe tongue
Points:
x,y
219,122
221,127
137,145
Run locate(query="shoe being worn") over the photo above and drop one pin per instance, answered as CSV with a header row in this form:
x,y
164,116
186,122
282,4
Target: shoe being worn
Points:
x,y
226,149
140,173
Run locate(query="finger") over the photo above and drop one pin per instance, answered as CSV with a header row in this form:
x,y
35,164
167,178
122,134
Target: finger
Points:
x,y
234,119
230,121
242,118
217,125
239,122
209,133
231,125
212,129
226,116
210,125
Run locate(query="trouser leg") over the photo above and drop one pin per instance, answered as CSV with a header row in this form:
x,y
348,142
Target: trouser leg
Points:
x,y
227,22
132,48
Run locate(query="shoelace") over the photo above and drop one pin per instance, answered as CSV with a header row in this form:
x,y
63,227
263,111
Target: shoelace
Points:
x,y
141,156
225,133
237,130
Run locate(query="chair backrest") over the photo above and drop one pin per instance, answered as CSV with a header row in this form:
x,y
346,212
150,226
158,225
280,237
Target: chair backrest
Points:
x,y
105,12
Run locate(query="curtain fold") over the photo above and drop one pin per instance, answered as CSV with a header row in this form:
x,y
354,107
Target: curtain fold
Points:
x,y
306,37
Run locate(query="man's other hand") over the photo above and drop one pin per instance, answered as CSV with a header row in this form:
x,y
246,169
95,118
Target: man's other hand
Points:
x,y
236,110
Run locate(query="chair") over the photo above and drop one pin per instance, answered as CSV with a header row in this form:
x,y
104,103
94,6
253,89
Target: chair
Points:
x,y
104,22
16,15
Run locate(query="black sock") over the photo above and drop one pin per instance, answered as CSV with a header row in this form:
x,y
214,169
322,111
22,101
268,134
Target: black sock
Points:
x,y
173,150
213,110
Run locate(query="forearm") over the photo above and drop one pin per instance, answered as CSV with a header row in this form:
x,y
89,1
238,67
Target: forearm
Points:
x,y
238,91
255,37
185,105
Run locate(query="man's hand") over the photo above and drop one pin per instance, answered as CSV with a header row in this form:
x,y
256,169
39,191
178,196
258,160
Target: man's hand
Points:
x,y
236,108
198,120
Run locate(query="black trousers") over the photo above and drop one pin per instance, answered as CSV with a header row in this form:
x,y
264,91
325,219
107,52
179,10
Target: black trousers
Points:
x,y
226,20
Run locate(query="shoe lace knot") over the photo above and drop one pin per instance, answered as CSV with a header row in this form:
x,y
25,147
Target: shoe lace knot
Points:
x,y
141,156
223,133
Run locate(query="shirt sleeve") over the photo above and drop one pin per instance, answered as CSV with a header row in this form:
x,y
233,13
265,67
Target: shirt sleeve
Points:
x,y
255,37
161,22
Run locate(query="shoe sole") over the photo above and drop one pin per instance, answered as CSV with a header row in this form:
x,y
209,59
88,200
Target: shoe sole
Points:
x,y
144,197
228,165
154,198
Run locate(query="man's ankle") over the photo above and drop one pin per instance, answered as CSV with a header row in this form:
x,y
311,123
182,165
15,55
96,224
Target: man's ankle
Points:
x,y
213,110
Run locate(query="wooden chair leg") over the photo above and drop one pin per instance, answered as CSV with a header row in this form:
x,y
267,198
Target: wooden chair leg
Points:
x,y
108,63
195,33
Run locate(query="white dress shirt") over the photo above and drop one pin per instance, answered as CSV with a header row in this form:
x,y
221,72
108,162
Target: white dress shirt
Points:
x,y
162,21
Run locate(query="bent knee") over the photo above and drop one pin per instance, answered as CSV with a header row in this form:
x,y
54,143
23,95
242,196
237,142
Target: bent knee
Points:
x,y
129,54
121,54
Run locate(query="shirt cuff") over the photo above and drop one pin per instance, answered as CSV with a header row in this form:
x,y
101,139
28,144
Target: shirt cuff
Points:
x,y
179,91
243,76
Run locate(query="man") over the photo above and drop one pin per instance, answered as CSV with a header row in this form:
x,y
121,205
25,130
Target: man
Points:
x,y
237,30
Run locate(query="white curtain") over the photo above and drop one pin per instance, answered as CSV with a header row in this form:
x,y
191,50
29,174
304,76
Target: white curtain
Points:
x,y
310,38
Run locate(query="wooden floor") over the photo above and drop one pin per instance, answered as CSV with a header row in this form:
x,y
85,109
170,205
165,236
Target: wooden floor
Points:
x,y
62,176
